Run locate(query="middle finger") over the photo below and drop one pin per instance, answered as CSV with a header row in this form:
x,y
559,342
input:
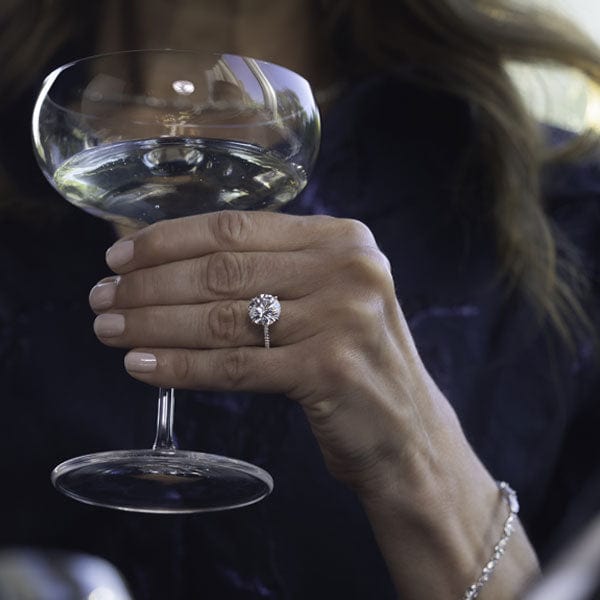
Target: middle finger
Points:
x,y
223,275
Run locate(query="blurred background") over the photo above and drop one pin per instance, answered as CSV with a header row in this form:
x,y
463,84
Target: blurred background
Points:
x,y
585,12
560,96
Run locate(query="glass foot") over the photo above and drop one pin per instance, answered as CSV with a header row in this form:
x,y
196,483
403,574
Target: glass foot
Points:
x,y
162,481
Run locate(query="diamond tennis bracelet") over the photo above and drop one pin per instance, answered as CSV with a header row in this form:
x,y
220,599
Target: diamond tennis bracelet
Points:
x,y
510,496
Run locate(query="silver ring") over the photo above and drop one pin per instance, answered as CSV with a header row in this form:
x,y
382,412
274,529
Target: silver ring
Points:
x,y
264,310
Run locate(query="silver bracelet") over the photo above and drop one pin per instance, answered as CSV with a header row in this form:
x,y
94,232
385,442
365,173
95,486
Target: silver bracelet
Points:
x,y
510,496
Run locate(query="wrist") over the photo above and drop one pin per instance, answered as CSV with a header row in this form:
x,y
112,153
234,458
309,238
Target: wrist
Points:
x,y
422,455
438,525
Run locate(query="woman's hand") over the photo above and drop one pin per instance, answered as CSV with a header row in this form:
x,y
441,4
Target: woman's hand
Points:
x,y
341,347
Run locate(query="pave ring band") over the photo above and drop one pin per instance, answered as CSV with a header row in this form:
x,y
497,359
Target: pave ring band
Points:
x,y
264,310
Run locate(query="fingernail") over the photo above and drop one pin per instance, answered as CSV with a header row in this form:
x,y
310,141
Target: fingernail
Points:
x,y
140,362
109,325
119,254
103,294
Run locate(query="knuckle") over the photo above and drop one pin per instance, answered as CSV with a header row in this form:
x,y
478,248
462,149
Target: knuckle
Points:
x,y
230,228
223,323
337,365
224,273
154,241
385,263
356,231
368,266
136,289
357,316
324,222
182,367
235,368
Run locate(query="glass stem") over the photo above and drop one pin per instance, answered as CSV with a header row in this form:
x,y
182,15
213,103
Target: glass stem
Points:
x,y
164,420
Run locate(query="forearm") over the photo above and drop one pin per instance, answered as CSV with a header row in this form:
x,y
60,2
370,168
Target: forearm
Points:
x,y
437,525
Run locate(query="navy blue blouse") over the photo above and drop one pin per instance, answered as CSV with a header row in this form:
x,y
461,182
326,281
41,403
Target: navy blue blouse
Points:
x,y
391,156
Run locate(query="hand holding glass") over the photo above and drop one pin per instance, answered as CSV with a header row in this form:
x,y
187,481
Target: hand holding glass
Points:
x,y
137,137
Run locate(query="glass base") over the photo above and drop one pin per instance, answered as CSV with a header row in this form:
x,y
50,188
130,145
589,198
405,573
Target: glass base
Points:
x,y
162,481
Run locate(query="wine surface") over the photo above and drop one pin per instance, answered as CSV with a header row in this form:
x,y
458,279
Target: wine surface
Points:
x,y
139,182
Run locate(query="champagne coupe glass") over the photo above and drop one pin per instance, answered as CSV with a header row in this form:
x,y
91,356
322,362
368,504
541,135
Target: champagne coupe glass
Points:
x,y
137,137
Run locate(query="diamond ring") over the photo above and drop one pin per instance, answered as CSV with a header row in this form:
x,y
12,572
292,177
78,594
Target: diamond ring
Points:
x,y
264,310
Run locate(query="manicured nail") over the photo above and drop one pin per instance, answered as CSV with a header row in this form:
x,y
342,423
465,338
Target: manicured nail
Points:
x,y
119,254
109,325
140,362
103,294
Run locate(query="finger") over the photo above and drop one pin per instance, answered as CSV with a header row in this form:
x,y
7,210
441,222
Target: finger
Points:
x,y
223,275
234,369
213,325
199,235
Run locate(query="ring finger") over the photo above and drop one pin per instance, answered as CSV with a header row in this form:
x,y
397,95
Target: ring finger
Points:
x,y
223,324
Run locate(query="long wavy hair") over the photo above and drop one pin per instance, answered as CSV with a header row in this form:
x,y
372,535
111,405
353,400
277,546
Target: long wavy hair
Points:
x,y
464,46
461,46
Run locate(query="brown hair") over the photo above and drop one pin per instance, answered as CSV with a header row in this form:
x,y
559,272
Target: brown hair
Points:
x,y
462,46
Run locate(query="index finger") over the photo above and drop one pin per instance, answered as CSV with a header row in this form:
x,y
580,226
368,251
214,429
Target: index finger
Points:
x,y
199,235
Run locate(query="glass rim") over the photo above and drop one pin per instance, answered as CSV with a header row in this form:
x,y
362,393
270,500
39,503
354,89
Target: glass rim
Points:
x,y
51,77
91,57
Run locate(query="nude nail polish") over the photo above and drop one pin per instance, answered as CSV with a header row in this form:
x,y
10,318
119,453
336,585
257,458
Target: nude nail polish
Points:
x,y
119,254
109,325
103,294
140,362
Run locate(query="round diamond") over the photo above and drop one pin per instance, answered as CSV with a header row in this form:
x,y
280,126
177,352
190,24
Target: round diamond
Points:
x,y
264,309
